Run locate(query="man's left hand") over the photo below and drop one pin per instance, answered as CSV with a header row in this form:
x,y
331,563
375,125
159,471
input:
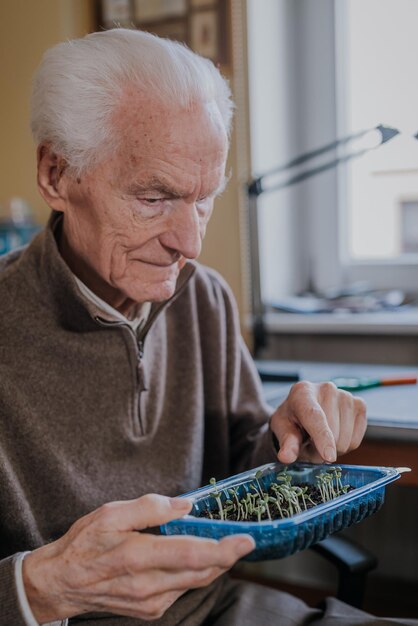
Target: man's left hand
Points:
x,y
318,422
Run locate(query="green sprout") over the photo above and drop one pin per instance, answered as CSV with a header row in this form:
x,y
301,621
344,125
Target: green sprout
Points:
x,y
217,495
280,500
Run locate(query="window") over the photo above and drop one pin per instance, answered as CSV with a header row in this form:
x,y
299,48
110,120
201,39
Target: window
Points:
x,y
377,49
341,67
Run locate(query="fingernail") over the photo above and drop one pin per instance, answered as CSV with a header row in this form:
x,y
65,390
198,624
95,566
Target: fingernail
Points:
x,y
181,503
329,454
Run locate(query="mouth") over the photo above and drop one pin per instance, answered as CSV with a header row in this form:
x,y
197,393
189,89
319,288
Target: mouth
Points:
x,y
170,260
159,263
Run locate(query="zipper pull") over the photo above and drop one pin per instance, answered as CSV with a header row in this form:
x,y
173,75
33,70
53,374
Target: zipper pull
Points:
x,y
140,369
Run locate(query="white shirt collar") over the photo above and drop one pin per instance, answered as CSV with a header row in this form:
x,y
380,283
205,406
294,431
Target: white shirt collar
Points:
x,y
139,320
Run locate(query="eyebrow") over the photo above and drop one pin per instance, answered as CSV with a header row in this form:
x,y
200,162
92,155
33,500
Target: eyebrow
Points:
x,y
155,184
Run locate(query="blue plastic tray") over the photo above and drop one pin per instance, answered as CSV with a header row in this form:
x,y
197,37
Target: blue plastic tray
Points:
x,y
279,538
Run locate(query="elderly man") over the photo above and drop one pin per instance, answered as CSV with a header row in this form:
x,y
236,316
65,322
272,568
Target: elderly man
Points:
x,y
123,374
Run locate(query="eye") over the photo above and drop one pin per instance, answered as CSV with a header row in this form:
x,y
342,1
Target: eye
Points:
x,y
151,200
201,202
204,204
152,206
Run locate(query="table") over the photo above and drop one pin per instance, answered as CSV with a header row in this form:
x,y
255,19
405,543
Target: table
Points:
x,y
392,433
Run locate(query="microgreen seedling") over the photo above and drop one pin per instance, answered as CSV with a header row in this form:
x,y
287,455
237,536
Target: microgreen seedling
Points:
x,y
254,501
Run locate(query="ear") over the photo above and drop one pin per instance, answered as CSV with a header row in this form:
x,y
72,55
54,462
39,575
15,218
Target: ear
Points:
x,y
51,180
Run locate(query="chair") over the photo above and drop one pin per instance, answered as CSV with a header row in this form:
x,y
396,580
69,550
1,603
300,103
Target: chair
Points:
x,y
352,562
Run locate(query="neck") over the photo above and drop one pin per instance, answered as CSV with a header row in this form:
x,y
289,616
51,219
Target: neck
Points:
x,y
92,280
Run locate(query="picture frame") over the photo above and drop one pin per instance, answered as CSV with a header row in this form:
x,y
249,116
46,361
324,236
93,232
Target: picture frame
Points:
x,y
159,10
202,4
201,24
174,29
204,34
115,12
209,29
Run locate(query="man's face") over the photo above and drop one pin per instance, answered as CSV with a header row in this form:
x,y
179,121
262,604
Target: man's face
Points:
x,y
130,223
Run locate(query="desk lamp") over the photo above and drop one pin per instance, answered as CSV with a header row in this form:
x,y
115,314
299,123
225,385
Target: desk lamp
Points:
x,y
279,178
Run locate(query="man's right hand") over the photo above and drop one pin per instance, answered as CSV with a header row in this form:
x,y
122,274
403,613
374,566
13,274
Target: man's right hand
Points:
x,y
103,564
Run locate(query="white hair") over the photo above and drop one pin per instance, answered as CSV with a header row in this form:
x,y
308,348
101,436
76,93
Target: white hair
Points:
x,y
79,84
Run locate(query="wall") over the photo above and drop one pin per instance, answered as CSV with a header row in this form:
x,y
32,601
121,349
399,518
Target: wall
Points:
x,y
27,29
274,101
226,247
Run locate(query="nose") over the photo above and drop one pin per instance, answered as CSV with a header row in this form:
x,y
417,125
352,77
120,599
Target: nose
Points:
x,y
184,233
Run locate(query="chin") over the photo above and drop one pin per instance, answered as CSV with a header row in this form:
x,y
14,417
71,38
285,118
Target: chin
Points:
x,y
155,293
151,284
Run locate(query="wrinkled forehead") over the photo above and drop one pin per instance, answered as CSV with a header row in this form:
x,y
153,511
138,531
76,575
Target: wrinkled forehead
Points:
x,y
153,123
155,139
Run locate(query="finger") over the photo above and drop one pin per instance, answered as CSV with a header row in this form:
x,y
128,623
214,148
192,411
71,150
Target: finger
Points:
x,y
179,552
310,416
145,512
329,400
317,427
347,414
145,585
126,591
115,599
310,454
156,606
360,424
290,438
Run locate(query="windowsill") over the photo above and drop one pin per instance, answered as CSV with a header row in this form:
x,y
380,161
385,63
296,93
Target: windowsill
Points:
x,y
380,323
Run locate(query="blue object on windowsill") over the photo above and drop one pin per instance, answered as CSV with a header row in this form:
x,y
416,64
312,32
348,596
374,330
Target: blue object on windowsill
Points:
x,y
15,235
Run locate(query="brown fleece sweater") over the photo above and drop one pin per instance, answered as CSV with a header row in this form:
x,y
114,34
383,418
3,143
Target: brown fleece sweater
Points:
x,y
91,413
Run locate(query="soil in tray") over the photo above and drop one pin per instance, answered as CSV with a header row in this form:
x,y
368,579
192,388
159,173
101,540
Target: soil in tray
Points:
x,y
280,500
